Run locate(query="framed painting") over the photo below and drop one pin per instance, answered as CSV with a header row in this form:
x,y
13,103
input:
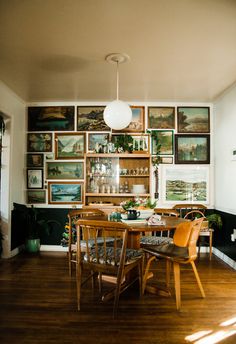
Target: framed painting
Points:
x,y
51,118
65,192
166,160
193,119
165,139
34,178
160,117
137,124
39,142
35,196
90,118
69,145
34,160
97,142
192,149
65,170
185,184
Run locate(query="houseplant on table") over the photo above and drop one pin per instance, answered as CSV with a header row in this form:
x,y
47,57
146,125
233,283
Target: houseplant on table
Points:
x,y
144,205
36,225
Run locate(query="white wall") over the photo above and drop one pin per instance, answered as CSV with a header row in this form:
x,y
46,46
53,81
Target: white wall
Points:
x,y
224,143
13,175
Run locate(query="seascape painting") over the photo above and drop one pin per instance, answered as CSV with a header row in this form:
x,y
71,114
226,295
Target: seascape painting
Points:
x,y
193,119
90,118
65,170
51,118
186,184
65,193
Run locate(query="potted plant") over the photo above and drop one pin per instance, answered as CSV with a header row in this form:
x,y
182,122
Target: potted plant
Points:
x,y
123,143
214,221
35,226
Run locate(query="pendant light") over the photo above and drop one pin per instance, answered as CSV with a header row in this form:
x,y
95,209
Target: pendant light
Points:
x,y
117,114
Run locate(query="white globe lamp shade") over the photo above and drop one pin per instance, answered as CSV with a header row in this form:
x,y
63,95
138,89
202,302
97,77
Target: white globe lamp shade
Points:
x,y
117,115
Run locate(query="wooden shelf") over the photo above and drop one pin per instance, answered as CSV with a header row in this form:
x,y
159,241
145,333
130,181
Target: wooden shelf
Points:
x,y
117,155
134,175
116,194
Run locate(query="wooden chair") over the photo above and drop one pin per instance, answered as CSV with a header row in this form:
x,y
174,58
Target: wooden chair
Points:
x,y
155,238
205,231
73,216
181,251
183,209
113,259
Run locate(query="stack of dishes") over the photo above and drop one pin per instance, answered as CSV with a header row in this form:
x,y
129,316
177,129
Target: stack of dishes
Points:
x,y
138,189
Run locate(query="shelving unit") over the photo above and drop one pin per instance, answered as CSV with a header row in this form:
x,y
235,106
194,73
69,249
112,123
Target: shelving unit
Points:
x,y
110,177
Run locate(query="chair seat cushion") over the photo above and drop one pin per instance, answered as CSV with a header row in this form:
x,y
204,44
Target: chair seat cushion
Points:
x,y
155,240
108,257
168,250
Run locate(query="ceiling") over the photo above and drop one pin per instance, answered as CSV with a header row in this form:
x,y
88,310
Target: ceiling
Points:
x,y
54,50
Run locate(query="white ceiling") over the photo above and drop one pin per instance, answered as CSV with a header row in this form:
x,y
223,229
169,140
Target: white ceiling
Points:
x,y
180,50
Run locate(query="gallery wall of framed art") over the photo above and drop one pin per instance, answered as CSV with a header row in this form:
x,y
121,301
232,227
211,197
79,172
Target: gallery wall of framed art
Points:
x,y
59,139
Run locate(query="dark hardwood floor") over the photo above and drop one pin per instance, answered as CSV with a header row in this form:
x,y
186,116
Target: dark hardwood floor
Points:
x,y
38,305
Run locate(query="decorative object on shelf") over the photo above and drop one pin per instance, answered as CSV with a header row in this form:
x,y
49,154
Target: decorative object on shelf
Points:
x,y
117,114
123,143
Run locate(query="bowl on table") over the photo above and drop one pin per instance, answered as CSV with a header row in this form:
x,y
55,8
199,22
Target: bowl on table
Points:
x,y
145,213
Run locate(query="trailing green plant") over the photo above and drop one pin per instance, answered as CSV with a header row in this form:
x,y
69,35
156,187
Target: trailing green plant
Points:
x,y
124,143
154,137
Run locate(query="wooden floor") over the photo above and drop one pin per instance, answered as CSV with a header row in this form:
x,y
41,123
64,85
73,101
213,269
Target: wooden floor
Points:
x,y
38,305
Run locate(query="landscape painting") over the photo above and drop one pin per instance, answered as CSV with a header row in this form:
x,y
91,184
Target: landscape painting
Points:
x,y
69,146
65,193
165,139
51,118
65,170
186,184
39,142
137,124
96,141
193,119
36,196
192,149
161,117
90,118
34,178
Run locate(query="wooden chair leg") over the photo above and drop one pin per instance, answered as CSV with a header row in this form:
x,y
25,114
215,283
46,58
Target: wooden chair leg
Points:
x,y
69,261
177,284
146,272
78,282
198,279
168,270
210,244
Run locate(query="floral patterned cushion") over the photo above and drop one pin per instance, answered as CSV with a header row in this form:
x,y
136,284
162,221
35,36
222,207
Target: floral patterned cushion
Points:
x,y
155,240
107,256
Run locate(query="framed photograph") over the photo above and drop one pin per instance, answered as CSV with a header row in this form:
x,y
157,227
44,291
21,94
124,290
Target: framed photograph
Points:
x,y
39,142
161,117
192,149
96,142
185,184
51,118
69,145
193,119
65,192
34,160
165,138
166,160
35,196
65,170
34,178
137,124
90,118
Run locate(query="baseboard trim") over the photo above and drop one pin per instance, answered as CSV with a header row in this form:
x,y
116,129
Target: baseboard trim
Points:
x,y
225,258
53,248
